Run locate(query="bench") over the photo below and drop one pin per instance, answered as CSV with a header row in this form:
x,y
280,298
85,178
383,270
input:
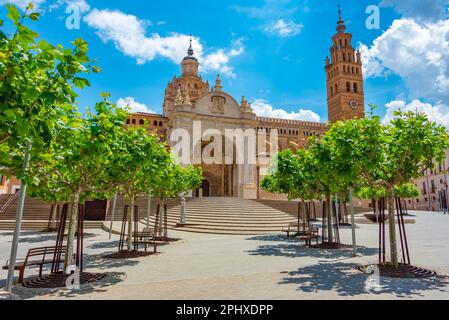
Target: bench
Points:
x,y
309,234
292,228
45,255
145,237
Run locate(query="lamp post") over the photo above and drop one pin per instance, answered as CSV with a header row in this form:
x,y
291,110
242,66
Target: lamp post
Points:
x,y
148,210
183,209
114,206
19,216
351,199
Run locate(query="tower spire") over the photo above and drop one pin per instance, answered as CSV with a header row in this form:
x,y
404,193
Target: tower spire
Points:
x,y
190,51
340,23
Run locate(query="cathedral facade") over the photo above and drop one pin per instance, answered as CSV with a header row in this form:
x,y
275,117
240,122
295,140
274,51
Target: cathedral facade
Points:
x,y
190,104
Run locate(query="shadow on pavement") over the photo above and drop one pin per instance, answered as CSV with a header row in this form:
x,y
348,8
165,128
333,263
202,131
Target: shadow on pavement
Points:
x,y
345,280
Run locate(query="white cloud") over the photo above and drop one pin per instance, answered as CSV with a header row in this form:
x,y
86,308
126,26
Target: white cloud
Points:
x,y
284,28
418,53
263,108
81,5
424,10
133,105
438,113
128,33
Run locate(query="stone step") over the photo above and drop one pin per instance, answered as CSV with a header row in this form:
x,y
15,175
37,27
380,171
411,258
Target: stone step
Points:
x,y
42,224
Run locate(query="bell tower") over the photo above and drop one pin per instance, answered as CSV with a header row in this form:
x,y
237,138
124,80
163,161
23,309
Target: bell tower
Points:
x,y
344,78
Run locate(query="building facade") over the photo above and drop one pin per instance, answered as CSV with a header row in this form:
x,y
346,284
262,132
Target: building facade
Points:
x,y
189,101
433,188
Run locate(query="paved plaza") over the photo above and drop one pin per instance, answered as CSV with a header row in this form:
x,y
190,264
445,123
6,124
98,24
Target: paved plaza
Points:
x,y
206,266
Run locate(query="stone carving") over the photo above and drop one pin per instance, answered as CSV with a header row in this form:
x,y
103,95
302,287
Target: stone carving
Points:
x,y
186,98
218,103
178,97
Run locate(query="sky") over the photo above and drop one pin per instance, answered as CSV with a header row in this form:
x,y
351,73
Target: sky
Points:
x,y
270,51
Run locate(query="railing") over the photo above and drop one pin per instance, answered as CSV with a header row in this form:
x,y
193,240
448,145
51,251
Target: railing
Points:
x,y
9,201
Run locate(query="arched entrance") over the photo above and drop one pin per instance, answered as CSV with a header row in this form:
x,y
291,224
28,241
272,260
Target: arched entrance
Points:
x,y
205,187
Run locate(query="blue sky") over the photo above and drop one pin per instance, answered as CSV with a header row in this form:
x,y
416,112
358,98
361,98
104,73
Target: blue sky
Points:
x,y
272,52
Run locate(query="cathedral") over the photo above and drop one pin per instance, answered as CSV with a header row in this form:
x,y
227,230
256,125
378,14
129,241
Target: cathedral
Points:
x,y
189,100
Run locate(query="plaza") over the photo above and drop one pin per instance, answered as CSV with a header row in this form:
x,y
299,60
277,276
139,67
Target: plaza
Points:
x,y
267,266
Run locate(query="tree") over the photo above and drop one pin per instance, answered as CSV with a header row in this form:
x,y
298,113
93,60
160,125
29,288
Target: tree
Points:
x,y
171,181
387,156
136,159
37,81
79,155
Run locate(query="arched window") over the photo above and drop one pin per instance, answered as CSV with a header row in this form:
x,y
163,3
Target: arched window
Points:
x,y
348,87
352,69
344,68
155,123
134,121
128,121
349,57
332,92
356,89
141,122
336,88
344,57
160,123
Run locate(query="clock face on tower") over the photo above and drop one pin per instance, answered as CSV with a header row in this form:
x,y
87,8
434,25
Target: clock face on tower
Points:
x,y
353,104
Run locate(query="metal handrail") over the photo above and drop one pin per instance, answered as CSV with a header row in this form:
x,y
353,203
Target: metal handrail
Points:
x,y
9,201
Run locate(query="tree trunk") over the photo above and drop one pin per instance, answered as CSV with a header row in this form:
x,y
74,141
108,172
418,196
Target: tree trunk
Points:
x,y
330,236
392,226
161,217
68,261
130,223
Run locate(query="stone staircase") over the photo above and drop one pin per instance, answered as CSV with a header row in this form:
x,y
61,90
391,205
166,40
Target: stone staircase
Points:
x,y
35,215
221,215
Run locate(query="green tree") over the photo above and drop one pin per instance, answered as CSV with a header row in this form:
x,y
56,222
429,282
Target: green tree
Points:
x,y
170,182
79,155
37,81
388,156
137,158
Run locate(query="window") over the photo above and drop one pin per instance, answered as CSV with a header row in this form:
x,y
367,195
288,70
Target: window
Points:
x,y
348,87
349,57
424,189
356,88
128,121
332,91
432,186
417,200
425,199
352,69
141,122
160,123
155,123
336,88
134,121
356,70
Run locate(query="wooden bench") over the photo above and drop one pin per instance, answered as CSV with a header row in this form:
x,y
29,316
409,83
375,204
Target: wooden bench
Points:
x,y
45,255
145,237
292,228
309,234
